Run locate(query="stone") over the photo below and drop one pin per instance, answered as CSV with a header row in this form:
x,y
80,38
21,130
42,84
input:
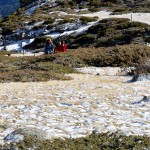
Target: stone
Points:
x,y
144,100
140,77
30,132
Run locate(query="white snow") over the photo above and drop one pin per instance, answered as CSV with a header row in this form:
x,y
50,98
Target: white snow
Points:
x,y
141,17
17,46
98,100
32,9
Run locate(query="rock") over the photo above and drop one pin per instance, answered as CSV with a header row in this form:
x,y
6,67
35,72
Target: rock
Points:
x,y
140,77
30,132
67,27
95,131
2,127
144,100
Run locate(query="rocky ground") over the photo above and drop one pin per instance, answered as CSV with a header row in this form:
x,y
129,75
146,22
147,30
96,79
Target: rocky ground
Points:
x,y
99,100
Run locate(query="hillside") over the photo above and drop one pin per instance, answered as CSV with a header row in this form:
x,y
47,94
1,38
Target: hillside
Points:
x,y
45,18
88,96
8,6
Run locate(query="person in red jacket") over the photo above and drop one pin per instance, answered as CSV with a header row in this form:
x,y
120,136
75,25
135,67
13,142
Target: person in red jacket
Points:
x,y
58,48
64,46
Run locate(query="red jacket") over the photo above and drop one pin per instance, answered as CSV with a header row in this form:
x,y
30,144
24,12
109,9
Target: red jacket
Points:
x,y
64,48
58,48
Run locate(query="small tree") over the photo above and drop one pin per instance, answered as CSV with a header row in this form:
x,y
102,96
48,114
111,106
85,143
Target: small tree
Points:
x,y
4,33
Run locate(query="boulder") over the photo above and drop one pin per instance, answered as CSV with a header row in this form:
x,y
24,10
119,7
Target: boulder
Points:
x,y
30,132
145,99
140,77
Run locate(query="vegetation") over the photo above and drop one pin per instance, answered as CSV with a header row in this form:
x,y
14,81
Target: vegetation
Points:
x,y
49,21
66,20
85,20
55,66
26,2
31,69
142,68
104,44
111,32
109,141
107,33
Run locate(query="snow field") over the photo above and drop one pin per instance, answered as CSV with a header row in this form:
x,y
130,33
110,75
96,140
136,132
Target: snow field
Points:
x,y
75,108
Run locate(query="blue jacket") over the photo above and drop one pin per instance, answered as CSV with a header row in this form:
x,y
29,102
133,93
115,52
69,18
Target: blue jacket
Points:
x,y
49,48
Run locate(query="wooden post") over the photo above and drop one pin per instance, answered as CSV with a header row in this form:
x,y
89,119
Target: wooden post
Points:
x,y
4,42
131,17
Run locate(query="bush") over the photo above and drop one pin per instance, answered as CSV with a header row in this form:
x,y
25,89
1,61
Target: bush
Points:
x,y
32,22
38,27
50,26
39,42
49,21
138,24
93,9
108,141
65,20
85,20
31,76
142,68
127,55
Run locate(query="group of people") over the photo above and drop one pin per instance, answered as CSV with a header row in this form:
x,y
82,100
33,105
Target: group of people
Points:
x,y
50,48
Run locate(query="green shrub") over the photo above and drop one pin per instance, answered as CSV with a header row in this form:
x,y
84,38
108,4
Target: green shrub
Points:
x,y
65,20
93,9
38,42
108,141
85,20
32,22
138,24
50,26
38,27
49,21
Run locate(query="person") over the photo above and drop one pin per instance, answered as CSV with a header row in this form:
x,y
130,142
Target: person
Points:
x,y
49,47
64,47
58,48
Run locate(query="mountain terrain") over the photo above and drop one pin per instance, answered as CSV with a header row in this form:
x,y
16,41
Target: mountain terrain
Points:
x,y
88,97
42,18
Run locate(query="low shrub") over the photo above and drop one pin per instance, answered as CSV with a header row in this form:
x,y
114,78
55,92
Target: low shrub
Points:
x,y
65,20
142,68
85,20
127,55
93,9
31,76
50,26
39,42
49,21
54,66
38,27
92,142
